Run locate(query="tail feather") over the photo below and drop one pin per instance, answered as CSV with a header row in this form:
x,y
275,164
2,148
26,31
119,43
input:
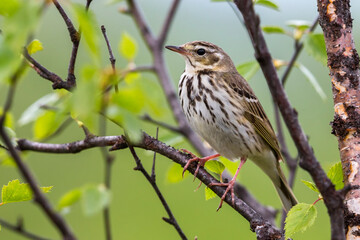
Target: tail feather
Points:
x,y
286,195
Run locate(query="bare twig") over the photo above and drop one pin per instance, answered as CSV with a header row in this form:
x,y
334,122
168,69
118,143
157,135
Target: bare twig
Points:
x,y
111,58
171,220
153,175
167,22
20,230
147,117
308,161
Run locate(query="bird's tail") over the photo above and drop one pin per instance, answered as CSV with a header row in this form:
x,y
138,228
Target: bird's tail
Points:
x,y
286,195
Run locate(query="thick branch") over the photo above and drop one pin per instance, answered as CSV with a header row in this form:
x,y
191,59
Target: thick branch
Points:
x,y
258,224
343,62
332,199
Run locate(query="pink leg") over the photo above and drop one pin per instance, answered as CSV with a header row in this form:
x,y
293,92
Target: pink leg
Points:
x,y
229,185
201,161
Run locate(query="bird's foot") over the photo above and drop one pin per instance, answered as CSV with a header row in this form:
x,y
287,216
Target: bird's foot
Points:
x,y
229,187
201,161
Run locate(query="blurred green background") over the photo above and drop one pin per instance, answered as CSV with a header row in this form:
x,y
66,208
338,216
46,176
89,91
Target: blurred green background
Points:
x,y
136,212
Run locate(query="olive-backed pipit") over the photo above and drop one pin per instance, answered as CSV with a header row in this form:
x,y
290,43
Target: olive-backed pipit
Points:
x,y
223,109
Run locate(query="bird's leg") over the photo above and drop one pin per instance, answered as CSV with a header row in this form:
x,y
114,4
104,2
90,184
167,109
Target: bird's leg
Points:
x,y
229,185
201,161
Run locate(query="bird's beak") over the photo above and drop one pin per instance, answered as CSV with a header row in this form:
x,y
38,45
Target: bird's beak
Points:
x,y
177,49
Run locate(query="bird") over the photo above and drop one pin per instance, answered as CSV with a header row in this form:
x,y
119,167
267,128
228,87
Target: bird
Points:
x,y
222,108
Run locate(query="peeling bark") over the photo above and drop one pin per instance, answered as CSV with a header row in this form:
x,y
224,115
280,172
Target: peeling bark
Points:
x,y
343,62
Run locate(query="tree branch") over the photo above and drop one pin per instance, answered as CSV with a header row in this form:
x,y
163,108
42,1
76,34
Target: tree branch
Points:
x,y
332,199
343,62
171,220
167,22
20,230
261,226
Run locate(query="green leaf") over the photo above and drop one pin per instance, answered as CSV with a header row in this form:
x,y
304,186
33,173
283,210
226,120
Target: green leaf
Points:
x,y
18,192
209,194
273,29
19,14
35,110
128,46
299,24
267,3
34,46
230,165
315,47
9,7
174,174
47,124
69,198
311,185
248,69
335,174
299,218
95,198
215,166
311,78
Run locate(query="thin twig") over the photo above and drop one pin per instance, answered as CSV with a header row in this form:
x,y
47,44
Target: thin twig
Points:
x,y
20,230
153,176
167,22
298,47
171,220
147,118
111,58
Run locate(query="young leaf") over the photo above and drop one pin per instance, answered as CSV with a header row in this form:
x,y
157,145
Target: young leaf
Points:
x,y
18,192
128,46
315,47
9,119
34,46
311,185
335,174
69,198
248,69
215,166
311,78
230,165
209,194
95,198
299,218
267,3
34,110
174,174
273,29
47,124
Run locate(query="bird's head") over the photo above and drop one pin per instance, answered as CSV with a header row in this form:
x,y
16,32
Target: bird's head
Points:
x,y
200,56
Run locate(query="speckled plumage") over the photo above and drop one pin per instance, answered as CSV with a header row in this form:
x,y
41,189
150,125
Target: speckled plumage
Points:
x,y
222,108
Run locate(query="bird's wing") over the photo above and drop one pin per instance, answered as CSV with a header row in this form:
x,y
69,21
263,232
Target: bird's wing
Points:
x,y
254,112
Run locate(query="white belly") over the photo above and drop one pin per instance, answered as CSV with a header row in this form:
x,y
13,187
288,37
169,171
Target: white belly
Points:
x,y
206,116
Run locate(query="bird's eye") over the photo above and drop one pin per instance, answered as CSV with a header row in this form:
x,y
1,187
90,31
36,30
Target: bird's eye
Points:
x,y
200,51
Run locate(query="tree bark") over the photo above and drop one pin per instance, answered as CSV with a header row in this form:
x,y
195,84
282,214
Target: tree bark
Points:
x,y
343,62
